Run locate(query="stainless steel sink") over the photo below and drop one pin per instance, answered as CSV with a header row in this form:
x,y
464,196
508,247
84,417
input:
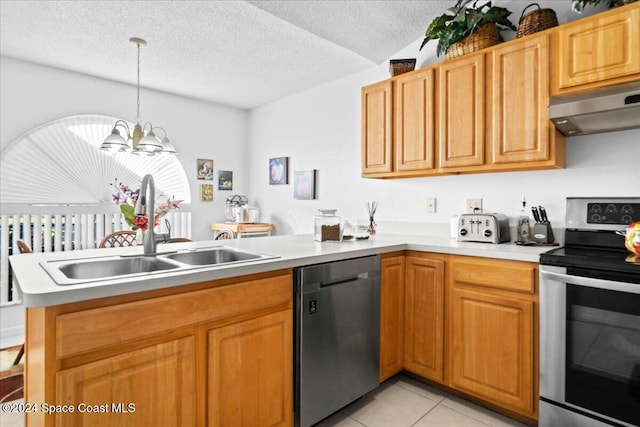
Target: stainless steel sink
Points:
x,y
215,256
75,271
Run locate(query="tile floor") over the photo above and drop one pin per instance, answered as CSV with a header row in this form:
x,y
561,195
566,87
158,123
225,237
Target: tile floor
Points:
x,y
399,402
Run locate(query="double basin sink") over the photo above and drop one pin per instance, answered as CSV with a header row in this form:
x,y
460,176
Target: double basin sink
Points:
x,y
71,272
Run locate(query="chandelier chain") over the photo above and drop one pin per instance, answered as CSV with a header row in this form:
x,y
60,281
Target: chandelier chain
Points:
x,y
138,88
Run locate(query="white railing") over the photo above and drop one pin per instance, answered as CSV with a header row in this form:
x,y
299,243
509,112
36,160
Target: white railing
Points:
x,y
66,231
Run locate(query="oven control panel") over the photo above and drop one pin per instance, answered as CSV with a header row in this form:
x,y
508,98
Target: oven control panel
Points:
x,y
613,213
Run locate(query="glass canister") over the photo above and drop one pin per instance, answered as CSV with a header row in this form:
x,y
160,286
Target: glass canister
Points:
x,y
327,226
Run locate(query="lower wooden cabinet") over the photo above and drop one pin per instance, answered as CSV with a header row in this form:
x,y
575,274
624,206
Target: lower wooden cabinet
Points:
x,y
424,316
250,372
492,332
150,386
215,353
391,315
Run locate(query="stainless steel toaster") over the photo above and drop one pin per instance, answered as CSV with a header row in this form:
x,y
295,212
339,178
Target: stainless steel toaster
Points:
x,y
487,228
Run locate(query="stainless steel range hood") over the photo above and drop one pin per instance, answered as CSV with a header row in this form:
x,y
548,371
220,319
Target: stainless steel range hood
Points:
x,y
605,110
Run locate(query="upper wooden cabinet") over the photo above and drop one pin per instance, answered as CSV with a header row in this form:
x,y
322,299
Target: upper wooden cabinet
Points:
x,y
414,108
377,128
519,101
600,50
461,124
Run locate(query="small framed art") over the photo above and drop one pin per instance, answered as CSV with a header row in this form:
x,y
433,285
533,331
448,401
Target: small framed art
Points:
x,y
225,180
279,171
206,192
205,169
304,184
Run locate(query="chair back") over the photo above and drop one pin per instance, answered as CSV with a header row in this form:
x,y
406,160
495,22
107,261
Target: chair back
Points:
x,y
224,234
23,247
119,239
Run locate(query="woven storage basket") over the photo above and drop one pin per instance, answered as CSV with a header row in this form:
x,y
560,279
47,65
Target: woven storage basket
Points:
x,y
487,35
400,66
537,20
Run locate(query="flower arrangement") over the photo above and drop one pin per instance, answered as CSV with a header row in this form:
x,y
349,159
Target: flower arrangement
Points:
x,y
126,198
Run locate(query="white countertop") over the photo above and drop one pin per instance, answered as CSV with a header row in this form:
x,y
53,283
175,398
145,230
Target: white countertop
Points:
x,y
38,289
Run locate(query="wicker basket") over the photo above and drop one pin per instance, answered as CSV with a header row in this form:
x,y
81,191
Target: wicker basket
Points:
x,y
400,66
537,20
487,35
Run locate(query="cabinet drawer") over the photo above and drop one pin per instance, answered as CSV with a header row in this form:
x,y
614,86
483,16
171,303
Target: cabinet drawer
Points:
x,y
92,329
501,274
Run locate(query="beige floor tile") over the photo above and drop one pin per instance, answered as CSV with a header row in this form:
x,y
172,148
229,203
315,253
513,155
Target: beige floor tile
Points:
x,y
390,405
441,416
339,420
422,389
484,415
12,419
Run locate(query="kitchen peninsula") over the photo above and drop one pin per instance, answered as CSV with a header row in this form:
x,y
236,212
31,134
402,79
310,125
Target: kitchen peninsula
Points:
x,y
199,346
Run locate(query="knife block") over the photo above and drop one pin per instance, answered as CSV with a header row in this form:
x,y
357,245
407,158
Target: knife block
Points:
x,y
543,233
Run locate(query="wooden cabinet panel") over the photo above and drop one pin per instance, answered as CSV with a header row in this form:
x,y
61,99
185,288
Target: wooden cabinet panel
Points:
x,y
414,109
519,101
159,381
508,275
391,316
424,317
461,123
377,128
492,348
250,372
600,50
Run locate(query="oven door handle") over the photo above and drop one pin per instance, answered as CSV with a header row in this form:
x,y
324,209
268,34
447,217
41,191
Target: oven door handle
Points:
x,y
591,282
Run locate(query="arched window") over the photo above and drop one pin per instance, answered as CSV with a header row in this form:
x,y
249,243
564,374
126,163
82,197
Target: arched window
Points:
x,y
56,192
58,163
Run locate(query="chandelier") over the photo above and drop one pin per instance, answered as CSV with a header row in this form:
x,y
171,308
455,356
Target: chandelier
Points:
x,y
143,140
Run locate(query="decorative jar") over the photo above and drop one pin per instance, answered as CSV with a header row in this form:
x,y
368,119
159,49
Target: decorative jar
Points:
x,y
327,226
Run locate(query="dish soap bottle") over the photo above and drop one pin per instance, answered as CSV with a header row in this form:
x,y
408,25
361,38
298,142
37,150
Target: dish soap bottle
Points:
x,y
524,230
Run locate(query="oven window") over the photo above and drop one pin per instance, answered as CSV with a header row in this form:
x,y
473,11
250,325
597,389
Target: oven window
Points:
x,y
603,352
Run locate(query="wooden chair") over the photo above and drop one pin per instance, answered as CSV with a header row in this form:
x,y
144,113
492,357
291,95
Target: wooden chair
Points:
x,y
24,249
119,239
178,240
224,235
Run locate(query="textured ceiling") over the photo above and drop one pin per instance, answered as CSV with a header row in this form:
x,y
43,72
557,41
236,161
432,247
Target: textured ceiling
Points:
x,y
239,53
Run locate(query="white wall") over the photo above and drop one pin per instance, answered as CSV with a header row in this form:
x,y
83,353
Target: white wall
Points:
x,y
320,129
31,95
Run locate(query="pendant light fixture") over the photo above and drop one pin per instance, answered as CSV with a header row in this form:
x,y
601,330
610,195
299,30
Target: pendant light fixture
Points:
x,y
138,142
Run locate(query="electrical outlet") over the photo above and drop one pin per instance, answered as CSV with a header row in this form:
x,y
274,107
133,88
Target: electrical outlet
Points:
x,y
431,205
474,205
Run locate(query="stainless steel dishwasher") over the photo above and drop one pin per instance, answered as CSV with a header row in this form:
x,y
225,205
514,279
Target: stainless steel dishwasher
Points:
x,y
337,337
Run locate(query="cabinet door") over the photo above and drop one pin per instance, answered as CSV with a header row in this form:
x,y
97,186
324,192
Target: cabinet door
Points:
x,y
602,47
377,128
492,347
414,110
424,317
250,372
519,101
461,120
391,316
151,386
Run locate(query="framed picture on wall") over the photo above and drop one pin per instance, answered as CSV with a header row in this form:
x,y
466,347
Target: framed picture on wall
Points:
x,y
279,171
225,180
206,192
205,169
304,184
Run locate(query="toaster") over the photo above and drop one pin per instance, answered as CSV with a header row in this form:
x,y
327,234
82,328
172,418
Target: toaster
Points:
x,y
487,228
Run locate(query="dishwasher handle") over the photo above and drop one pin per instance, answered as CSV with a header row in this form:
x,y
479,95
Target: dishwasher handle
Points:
x,y
344,280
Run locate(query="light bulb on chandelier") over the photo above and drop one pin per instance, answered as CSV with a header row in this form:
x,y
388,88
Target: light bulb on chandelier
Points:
x,y
143,138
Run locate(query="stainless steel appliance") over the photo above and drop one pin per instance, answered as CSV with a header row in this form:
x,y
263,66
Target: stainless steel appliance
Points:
x,y
590,320
489,228
337,335
603,110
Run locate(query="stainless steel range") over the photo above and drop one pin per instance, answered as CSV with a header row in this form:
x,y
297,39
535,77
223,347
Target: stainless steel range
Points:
x,y
590,319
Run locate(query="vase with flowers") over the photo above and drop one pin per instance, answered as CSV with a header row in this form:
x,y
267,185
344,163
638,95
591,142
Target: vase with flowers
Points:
x,y
125,197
